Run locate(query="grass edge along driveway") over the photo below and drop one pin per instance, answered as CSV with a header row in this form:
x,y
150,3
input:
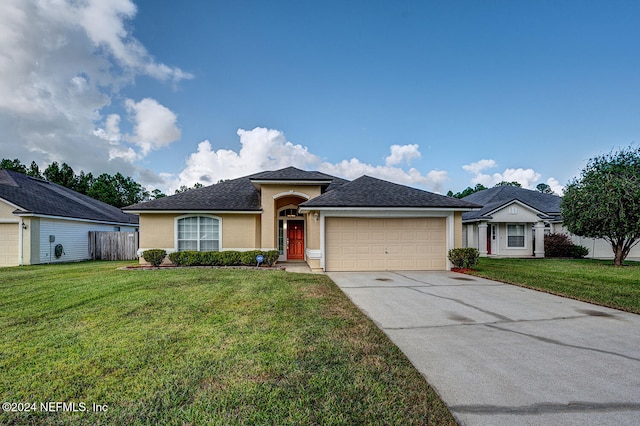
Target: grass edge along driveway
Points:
x,y
588,280
198,346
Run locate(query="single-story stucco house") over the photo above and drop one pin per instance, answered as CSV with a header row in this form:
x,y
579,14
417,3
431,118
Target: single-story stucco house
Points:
x,y
36,216
513,222
330,223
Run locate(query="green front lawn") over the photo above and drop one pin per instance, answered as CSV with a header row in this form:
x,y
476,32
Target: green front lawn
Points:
x,y
198,346
592,281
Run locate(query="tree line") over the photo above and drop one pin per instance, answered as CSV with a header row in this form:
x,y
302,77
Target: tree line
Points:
x,y
541,187
116,190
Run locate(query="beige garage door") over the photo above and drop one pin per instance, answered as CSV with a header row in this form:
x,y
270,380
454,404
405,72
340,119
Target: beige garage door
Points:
x,y
357,244
8,244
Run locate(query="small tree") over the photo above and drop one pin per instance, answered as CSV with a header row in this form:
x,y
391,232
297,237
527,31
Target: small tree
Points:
x,y
544,188
604,202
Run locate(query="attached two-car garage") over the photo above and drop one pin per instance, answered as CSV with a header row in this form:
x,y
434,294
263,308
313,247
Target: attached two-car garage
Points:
x,y
374,244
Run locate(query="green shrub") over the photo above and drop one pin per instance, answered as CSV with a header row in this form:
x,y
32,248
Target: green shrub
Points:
x,y
154,256
230,258
175,258
223,258
270,257
463,257
185,258
248,258
210,258
578,252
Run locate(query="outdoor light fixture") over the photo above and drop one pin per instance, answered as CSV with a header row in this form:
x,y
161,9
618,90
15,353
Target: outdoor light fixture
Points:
x,y
316,216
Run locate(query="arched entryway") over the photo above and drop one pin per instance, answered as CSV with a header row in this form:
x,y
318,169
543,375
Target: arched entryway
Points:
x,y
291,229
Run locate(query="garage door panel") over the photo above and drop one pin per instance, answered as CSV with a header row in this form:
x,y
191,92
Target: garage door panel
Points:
x,y
385,244
8,244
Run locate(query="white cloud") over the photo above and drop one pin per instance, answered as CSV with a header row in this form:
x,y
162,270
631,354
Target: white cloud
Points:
x,y
62,62
155,125
402,154
103,22
555,186
528,178
478,166
525,177
111,131
269,149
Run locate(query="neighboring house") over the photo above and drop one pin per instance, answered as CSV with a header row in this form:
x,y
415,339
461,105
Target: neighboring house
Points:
x,y
329,223
512,221
36,216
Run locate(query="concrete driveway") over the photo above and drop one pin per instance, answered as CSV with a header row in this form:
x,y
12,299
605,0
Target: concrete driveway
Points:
x,y
503,355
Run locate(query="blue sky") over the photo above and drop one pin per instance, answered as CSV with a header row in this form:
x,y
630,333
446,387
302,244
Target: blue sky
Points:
x,y
437,95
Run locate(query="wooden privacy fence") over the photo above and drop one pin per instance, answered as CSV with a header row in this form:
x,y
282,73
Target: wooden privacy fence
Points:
x,y
113,245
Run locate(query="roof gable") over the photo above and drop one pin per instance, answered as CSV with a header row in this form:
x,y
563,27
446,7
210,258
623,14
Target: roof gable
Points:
x,y
291,174
494,199
367,191
40,197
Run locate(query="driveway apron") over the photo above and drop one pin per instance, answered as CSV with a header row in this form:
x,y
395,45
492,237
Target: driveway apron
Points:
x,y
499,354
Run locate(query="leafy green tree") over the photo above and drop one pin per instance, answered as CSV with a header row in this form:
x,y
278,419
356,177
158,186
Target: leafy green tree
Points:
x,y
83,182
13,165
34,170
62,175
156,193
185,188
604,202
505,183
117,190
468,191
544,188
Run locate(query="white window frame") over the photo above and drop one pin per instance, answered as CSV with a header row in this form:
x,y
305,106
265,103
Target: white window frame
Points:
x,y
524,235
176,229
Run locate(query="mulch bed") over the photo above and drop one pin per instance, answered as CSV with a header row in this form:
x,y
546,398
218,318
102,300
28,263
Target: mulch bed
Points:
x,y
151,268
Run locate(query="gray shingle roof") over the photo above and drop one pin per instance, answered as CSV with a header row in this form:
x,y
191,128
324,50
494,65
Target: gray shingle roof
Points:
x,y
40,197
495,198
241,195
367,191
231,195
291,174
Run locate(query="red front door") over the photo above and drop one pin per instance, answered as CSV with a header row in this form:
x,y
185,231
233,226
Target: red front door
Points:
x,y
295,240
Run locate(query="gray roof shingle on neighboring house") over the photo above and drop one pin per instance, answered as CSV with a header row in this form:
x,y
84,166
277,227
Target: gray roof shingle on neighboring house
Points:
x,y
367,191
40,197
498,197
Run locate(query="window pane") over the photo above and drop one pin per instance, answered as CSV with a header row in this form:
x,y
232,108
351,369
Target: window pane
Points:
x,y
187,245
516,242
515,235
198,233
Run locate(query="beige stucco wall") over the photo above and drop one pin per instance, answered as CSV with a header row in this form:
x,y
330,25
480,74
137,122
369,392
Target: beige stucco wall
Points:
x,y
269,220
157,231
313,232
457,229
239,231
6,211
